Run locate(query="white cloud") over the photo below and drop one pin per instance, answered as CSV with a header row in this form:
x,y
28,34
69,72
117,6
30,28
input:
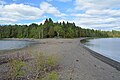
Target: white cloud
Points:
x,y
107,12
60,0
48,8
103,14
37,22
64,0
88,21
61,20
82,15
15,12
96,4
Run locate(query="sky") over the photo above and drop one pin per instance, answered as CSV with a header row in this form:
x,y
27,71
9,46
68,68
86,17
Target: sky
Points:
x,y
93,14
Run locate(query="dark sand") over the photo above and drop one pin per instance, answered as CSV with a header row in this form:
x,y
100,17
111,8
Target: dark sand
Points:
x,y
76,62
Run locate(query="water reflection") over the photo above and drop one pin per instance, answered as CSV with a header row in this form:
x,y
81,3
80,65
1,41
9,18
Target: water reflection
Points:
x,y
109,47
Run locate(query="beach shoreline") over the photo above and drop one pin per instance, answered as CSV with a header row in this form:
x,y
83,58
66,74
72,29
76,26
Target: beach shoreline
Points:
x,y
78,62
103,58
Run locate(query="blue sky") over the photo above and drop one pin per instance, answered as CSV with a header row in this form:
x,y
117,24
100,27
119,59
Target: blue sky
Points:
x,y
94,14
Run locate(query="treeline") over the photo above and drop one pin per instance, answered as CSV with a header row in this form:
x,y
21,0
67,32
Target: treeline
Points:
x,y
51,30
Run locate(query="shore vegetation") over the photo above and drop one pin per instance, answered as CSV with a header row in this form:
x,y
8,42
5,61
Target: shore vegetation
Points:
x,y
50,29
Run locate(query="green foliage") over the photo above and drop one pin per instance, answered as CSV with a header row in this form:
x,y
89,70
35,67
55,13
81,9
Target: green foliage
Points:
x,y
50,30
16,69
38,68
51,60
40,61
70,33
51,76
43,65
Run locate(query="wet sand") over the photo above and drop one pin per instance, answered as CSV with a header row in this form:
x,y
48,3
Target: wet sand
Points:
x,y
76,62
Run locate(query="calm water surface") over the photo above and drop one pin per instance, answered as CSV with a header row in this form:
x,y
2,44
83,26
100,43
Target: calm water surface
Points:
x,y
8,45
109,47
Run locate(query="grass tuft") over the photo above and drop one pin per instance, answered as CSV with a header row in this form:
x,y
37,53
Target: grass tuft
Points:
x,y
51,76
16,69
40,67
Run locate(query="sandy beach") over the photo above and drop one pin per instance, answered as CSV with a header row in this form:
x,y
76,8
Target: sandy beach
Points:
x,y
76,62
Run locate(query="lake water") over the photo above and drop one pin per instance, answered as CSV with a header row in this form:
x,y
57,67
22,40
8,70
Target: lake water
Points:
x,y
8,45
109,47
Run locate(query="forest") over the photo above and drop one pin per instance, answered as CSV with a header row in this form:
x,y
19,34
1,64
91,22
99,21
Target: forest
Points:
x,y
52,30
